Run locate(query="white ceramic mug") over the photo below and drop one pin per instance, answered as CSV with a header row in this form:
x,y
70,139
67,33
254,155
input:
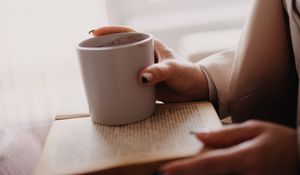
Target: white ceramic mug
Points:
x,y
110,67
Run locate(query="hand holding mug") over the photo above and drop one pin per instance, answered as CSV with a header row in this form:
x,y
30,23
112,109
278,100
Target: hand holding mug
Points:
x,y
176,79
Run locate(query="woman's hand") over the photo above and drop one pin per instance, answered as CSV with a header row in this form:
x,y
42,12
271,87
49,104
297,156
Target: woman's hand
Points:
x,y
251,148
176,79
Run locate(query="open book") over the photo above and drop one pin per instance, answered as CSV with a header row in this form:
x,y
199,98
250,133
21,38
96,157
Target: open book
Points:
x,y
78,146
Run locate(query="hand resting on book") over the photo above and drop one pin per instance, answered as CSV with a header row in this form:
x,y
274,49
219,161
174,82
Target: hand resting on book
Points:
x,y
253,147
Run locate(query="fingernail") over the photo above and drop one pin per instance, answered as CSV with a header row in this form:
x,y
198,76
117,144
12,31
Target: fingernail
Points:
x,y
147,77
91,31
200,131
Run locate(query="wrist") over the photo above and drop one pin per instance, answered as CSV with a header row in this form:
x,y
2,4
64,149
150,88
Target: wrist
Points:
x,y
199,88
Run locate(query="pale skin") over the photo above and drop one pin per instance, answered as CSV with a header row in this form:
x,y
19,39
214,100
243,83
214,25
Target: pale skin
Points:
x,y
250,148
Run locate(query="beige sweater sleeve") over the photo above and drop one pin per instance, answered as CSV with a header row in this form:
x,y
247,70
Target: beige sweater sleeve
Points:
x,y
217,69
259,80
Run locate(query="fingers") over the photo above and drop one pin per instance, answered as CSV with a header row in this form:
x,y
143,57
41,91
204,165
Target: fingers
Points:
x,y
214,162
111,29
231,135
162,51
170,71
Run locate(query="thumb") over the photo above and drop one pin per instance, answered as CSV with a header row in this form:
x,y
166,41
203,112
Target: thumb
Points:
x,y
230,135
157,72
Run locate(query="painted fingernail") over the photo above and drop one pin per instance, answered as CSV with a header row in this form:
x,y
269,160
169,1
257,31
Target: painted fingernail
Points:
x,y
200,131
147,77
91,31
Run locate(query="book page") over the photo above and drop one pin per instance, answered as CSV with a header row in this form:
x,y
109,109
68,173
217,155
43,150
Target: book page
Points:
x,y
76,146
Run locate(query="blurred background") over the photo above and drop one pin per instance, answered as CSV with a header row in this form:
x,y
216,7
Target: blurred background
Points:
x,y
194,28
39,72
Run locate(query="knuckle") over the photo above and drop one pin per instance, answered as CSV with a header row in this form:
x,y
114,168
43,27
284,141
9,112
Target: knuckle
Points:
x,y
171,64
159,71
252,123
